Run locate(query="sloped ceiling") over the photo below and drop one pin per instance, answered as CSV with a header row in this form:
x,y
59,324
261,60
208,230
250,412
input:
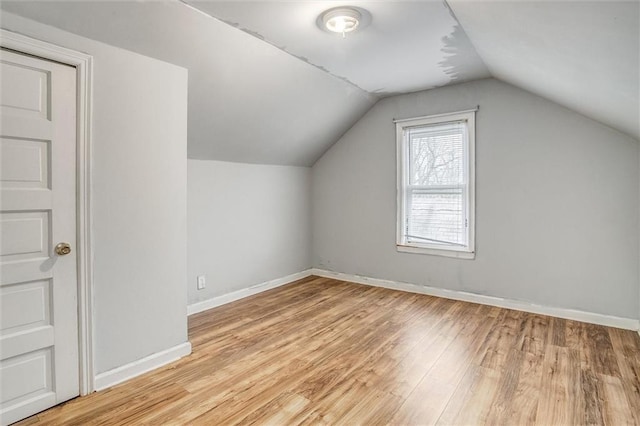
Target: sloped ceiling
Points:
x,y
266,85
581,54
248,101
402,47
252,101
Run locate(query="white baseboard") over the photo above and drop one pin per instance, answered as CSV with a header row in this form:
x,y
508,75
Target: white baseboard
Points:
x,y
194,308
571,314
141,366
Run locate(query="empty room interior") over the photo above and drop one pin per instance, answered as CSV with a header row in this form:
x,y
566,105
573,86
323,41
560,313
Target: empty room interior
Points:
x,y
320,212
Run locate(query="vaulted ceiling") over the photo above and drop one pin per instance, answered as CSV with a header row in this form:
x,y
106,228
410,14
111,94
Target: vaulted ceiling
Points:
x,y
581,54
403,47
267,85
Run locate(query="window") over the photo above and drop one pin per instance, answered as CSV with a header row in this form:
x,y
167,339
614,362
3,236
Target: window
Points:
x,y
436,184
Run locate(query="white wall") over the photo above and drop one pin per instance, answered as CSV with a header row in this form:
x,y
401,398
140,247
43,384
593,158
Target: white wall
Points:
x,y
247,224
557,203
139,197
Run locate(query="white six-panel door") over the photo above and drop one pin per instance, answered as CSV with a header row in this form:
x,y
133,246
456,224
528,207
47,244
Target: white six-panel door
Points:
x,y
38,287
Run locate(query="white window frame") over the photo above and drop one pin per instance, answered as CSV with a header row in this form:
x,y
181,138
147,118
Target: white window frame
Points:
x,y
461,252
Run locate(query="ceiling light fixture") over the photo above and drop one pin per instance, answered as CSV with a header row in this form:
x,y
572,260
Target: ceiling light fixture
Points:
x,y
341,20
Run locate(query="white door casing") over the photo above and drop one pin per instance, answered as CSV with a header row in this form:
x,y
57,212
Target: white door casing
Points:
x,y
83,64
38,288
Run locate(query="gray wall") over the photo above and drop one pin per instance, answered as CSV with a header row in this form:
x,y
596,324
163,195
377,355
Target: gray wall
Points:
x,y
247,224
139,198
557,203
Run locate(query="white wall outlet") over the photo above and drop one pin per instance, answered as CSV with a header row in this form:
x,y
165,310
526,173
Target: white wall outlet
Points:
x,y
202,283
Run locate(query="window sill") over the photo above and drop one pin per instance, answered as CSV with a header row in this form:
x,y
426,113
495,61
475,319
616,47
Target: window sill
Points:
x,y
437,252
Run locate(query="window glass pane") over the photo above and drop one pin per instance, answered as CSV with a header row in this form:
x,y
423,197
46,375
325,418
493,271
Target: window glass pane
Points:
x,y
435,166
436,154
436,216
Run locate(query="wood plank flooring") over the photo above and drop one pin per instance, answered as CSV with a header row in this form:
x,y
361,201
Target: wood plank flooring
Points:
x,y
321,351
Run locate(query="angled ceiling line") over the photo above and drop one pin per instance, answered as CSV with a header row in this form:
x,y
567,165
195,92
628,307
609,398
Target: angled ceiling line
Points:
x,y
583,56
453,15
282,49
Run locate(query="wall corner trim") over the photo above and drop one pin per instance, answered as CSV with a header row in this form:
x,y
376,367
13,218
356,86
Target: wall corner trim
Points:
x,y
518,305
141,366
196,307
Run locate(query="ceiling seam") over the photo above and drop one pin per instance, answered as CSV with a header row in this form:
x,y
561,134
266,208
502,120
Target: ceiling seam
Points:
x,y
280,48
453,15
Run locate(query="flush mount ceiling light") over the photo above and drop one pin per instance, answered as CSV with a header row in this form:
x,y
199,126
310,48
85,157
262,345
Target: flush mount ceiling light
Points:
x,y
341,20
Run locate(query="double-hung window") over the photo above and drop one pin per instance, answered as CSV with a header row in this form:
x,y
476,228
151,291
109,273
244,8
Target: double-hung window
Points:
x,y
436,184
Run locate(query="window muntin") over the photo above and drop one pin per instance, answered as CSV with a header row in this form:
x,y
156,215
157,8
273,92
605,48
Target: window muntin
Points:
x,y
436,184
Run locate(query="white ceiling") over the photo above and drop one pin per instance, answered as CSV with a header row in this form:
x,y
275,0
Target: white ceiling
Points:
x,y
581,54
266,85
248,101
406,46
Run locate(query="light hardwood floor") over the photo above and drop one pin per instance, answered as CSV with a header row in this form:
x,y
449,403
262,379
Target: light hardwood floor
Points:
x,y
322,351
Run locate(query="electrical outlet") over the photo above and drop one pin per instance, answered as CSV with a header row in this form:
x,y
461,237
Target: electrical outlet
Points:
x,y
201,282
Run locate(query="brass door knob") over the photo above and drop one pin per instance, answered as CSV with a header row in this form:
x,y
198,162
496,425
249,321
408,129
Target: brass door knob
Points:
x,y
62,249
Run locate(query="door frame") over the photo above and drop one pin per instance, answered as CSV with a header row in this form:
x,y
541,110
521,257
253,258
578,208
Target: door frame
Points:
x,y
83,64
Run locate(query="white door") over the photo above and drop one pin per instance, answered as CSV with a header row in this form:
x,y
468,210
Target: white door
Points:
x,y
38,284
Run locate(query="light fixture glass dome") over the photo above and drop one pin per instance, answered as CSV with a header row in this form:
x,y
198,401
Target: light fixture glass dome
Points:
x,y
341,20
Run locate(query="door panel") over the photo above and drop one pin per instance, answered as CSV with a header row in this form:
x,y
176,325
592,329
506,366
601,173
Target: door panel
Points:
x,y
38,288
25,305
25,163
25,90
24,235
